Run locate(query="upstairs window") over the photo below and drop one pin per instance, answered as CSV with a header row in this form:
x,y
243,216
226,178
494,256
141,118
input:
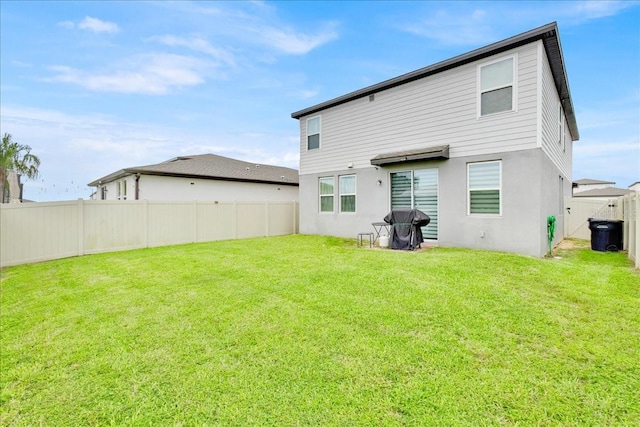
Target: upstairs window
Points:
x,y
484,181
326,194
497,87
561,126
313,133
348,193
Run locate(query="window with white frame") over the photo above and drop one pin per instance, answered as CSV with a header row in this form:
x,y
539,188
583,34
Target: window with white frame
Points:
x,y
348,193
497,89
560,126
326,194
313,133
121,189
484,182
561,134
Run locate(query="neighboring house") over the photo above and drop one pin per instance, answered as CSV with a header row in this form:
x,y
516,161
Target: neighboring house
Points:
x,y
603,193
590,184
481,142
598,190
635,186
200,177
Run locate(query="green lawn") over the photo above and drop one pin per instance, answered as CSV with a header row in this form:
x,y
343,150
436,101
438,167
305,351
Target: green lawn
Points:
x,y
307,330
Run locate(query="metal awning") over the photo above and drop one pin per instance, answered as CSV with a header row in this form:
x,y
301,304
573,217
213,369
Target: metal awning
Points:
x,y
429,153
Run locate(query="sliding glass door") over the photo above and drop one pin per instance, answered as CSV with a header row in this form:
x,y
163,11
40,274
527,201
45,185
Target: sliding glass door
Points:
x,y
417,189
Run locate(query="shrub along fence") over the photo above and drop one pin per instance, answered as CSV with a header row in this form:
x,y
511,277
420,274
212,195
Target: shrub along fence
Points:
x,y
33,232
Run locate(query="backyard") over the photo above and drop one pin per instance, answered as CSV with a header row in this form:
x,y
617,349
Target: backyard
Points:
x,y
309,330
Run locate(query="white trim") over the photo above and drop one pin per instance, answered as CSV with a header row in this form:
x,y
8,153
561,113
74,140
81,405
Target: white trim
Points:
x,y
540,61
487,215
513,85
354,194
306,138
333,204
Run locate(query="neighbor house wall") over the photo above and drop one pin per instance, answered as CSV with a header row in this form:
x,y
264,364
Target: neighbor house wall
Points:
x,y
152,187
173,188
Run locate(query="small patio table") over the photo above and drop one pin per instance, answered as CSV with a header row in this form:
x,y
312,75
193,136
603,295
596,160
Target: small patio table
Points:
x,y
378,226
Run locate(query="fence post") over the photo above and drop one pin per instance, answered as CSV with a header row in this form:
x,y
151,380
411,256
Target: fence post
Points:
x,y
234,220
145,222
266,216
80,228
194,206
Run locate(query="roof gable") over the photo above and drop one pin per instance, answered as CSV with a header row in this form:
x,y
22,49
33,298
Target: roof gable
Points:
x,y
547,33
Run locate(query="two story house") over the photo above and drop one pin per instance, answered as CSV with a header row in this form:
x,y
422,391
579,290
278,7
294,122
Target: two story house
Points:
x,y
481,142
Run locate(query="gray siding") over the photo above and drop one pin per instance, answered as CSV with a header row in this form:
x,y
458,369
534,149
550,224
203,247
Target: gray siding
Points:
x,y
559,153
440,109
521,228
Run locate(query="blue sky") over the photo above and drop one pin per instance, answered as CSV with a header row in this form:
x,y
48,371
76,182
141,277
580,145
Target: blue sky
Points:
x,y
94,87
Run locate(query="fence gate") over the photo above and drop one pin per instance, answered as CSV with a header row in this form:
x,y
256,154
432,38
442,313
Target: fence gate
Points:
x,y
579,210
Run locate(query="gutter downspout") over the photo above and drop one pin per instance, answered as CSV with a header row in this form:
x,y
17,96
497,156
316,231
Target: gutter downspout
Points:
x,y
137,186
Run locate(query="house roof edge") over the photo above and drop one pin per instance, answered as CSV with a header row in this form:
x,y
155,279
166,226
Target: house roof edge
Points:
x,y
547,33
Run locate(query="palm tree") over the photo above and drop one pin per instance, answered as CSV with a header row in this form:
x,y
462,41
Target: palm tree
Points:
x,y
16,158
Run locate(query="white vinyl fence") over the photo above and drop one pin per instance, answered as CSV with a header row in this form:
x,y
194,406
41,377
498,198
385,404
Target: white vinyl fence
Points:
x,y
631,216
626,208
33,232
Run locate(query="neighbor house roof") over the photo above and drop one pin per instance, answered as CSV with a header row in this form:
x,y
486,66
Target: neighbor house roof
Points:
x,y
547,33
210,166
587,181
604,192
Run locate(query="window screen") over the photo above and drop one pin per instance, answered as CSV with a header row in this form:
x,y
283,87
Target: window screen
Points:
x,y
348,193
484,183
496,87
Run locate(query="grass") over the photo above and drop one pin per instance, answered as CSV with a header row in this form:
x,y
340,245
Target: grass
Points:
x,y
307,330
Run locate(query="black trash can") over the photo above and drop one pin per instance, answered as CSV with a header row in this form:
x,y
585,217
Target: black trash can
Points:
x,y
606,234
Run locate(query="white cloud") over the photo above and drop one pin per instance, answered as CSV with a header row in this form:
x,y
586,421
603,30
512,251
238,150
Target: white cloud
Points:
x,y
153,74
98,26
292,42
69,25
196,44
456,26
473,28
605,158
91,24
307,93
256,24
590,9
